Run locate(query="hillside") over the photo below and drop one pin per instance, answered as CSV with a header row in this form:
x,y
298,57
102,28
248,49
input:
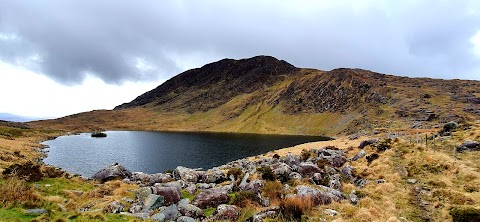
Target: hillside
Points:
x,y
266,95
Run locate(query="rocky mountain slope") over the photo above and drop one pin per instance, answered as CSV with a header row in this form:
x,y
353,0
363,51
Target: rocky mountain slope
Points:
x,y
266,95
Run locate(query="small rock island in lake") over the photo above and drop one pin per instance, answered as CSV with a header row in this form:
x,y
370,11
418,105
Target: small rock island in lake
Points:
x,y
99,134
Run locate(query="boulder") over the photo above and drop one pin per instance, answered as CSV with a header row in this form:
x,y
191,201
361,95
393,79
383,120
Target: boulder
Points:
x,y
450,126
253,186
191,189
335,182
226,212
334,194
281,170
160,217
347,172
319,179
213,176
211,198
271,212
177,184
114,207
135,208
292,159
185,219
294,176
335,157
153,201
365,143
353,197
37,211
171,212
186,174
170,194
308,169
317,196
469,145
112,172
142,193
359,155
191,210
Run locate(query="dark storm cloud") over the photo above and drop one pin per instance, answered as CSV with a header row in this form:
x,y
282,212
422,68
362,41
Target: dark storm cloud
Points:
x,y
144,40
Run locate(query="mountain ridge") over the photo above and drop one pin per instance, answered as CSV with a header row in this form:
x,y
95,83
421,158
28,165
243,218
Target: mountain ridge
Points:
x,y
265,95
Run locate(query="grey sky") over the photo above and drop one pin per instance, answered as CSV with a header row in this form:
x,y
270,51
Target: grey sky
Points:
x,y
120,41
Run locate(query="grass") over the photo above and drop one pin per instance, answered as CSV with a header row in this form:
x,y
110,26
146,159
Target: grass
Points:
x,y
58,186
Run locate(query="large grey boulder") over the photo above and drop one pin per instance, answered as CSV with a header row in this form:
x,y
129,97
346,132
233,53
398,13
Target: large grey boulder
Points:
x,y
469,145
186,174
307,169
281,170
226,212
317,196
171,212
359,155
213,176
191,210
114,207
185,219
292,159
365,143
153,201
171,194
142,193
211,198
335,157
335,182
271,212
112,172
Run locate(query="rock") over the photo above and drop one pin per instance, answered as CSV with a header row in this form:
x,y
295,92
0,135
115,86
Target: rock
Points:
x,y
307,169
191,189
186,174
469,145
329,170
135,208
171,212
114,207
204,186
114,171
142,193
143,216
281,170
128,200
330,212
353,197
37,211
191,211
295,176
359,155
292,159
359,182
412,181
371,158
142,177
335,182
353,136
319,179
254,186
347,172
153,201
159,217
317,196
214,176
271,212
450,126
170,194
176,184
365,143
335,157
211,198
185,219
226,212
335,195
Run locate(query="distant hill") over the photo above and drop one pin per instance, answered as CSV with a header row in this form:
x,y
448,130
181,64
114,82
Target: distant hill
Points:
x,y
17,118
266,95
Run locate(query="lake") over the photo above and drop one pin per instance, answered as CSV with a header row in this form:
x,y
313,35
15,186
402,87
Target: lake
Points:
x,y
155,152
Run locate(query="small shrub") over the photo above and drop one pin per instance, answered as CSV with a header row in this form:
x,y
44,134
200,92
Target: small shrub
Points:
x,y
267,173
465,214
17,192
28,171
236,172
305,155
273,190
244,199
293,208
276,156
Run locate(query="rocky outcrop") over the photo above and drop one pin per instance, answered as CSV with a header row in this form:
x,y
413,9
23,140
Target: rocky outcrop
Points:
x,y
114,171
469,145
211,198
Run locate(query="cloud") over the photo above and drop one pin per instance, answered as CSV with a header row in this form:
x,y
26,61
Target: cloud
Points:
x,y
120,41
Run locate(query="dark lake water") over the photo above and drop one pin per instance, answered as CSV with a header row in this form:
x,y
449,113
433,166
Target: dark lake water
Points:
x,y
154,152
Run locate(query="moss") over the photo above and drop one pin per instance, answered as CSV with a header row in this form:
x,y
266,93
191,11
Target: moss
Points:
x,y
267,173
57,186
209,211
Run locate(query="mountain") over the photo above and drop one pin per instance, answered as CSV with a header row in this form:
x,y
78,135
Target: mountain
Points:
x,y
17,118
266,95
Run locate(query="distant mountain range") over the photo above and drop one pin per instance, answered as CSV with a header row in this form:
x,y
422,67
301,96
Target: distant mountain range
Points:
x,y
266,95
17,118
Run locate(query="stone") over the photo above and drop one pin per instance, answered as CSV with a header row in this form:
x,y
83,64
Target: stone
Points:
x,y
469,145
307,169
191,210
142,193
353,136
176,184
226,212
365,143
153,201
114,207
353,197
281,170
292,159
359,155
330,212
295,176
171,195
450,126
186,174
319,179
171,212
335,157
214,176
347,172
185,219
412,181
271,212
159,217
191,189
112,172
252,186
334,194
37,211
204,186
317,196
211,198
335,182
135,208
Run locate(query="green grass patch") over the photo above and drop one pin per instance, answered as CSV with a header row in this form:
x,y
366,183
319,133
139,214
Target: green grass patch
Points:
x,y
56,186
186,194
209,211
14,214
11,132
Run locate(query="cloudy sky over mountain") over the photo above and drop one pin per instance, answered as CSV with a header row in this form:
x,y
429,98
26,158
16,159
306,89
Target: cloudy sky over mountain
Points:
x,y
62,57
